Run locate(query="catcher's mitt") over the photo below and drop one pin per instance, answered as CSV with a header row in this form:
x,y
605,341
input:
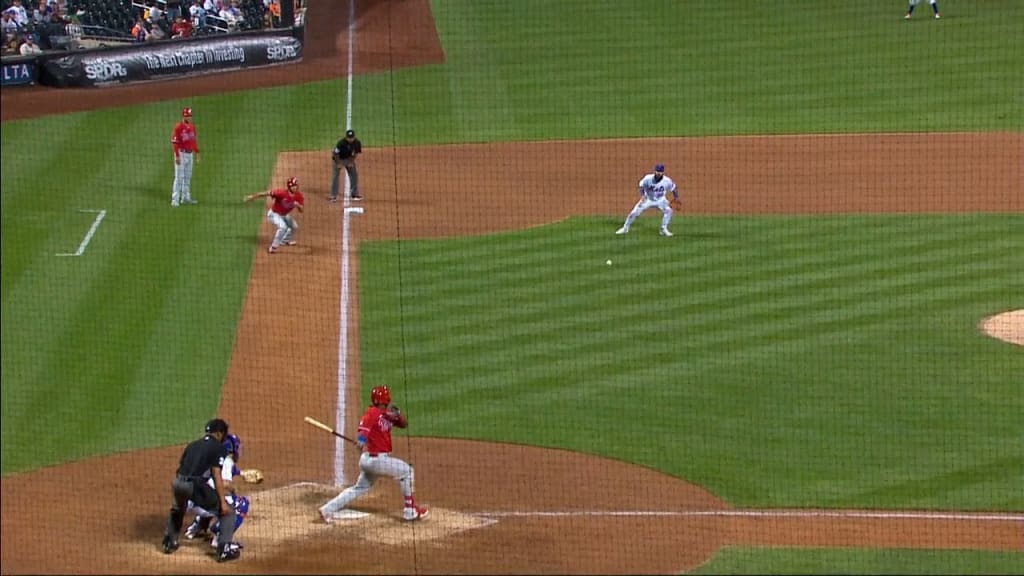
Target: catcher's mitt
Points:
x,y
252,475
676,204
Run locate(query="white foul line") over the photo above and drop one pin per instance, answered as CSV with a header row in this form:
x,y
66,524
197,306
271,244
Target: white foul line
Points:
x,y
854,514
100,214
339,415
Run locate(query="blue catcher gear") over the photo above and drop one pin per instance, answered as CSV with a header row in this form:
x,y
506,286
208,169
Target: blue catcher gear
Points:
x,y
233,444
241,506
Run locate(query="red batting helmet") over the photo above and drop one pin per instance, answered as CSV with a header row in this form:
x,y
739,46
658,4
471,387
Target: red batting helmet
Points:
x,y
186,112
380,395
293,182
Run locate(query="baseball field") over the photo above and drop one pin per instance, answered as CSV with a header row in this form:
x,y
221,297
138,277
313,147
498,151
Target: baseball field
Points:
x,y
821,372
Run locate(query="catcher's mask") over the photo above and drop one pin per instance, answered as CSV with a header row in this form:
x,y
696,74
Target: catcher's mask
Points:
x,y
293,182
380,395
233,444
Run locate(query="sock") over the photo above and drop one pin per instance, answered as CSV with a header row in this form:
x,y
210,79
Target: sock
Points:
x,y
935,7
910,10
410,502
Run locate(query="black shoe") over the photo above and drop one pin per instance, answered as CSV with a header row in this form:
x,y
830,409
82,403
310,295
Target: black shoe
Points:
x,y
228,552
357,197
169,545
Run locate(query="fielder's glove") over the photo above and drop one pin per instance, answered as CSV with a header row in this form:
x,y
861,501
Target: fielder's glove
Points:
x,y
676,204
252,475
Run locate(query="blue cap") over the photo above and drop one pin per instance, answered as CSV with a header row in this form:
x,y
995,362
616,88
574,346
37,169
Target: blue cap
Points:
x,y
659,167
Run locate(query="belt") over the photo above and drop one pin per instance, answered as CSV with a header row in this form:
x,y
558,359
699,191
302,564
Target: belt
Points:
x,y
184,478
375,454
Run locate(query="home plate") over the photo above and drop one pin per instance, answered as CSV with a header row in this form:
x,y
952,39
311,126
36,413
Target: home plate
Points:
x,y
347,514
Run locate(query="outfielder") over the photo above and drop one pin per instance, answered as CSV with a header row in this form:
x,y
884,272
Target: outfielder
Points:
x,y
204,521
280,212
183,142
374,440
653,188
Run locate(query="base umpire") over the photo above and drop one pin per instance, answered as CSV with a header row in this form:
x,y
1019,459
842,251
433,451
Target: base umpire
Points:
x,y
344,157
201,460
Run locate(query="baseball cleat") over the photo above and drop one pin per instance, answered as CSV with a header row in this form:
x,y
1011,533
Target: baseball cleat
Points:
x,y
272,249
622,230
664,232
230,551
196,529
190,201
415,513
357,197
291,243
937,16
169,545
907,17
331,199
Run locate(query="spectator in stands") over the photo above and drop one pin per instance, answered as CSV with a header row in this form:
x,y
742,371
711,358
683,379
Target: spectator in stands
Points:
x,y
29,47
153,12
197,13
173,9
211,7
10,27
231,14
139,31
181,28
156,32
19,13
273,14
42,13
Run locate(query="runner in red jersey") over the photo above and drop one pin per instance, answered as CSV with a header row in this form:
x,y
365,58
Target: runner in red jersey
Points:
x,y
280,212
376,460
185,147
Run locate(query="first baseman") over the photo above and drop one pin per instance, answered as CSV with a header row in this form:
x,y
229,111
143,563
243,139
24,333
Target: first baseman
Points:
x,y
280,212
653,189
374,440
185,147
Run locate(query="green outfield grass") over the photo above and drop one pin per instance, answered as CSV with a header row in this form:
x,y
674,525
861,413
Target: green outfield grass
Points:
x,y
776,361
870,561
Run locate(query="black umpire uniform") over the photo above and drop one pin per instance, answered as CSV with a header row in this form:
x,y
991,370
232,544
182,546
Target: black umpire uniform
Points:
x,y
344,155
200,461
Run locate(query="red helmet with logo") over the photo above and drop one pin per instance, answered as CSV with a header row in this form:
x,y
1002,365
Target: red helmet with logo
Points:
x,y
380,395
186,112
293,182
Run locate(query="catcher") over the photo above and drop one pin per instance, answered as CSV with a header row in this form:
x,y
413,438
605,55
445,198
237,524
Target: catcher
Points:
x,y
376,460
654,188
205,521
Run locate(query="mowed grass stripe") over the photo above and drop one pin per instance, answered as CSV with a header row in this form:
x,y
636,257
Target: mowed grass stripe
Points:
x,y
47,167
551,323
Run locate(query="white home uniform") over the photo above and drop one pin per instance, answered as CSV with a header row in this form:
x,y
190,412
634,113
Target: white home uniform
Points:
x,y
653,194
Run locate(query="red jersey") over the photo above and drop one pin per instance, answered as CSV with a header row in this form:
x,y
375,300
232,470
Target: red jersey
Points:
x,y
181,29
285,201
183,138
376,428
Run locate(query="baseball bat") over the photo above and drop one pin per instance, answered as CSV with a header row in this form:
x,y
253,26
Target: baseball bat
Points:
x,y
329,430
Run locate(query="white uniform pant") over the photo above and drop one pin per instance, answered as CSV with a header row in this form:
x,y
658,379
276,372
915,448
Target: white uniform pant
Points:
x,y
182,189
286,227
644,204
371,468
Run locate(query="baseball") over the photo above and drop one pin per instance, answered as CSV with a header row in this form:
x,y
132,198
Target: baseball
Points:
x,y
608,262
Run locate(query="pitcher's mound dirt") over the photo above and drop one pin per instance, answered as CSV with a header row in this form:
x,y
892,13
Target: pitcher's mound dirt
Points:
x,y
1008,326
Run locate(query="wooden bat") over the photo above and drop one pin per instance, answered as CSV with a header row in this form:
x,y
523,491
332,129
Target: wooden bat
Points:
x,y
329,430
